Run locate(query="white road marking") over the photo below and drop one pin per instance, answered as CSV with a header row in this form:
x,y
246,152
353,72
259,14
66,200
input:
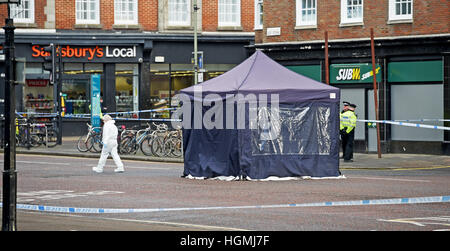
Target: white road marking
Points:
x,y
389,179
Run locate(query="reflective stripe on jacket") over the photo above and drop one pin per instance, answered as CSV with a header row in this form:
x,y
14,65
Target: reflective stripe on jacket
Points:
x,y
348,120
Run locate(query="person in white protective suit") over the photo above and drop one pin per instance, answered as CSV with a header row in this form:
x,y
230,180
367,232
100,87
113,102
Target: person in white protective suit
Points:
x,y
109,140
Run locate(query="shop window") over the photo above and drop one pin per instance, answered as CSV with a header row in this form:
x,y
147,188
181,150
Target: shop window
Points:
x,y
37,96
76,86
76,94
180,76
127,88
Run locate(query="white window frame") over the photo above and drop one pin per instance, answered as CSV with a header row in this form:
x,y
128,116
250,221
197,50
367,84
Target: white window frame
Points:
x,y
88,20
311,5
225,12
393,16
258,14
344,12
121,15
18,12
176,22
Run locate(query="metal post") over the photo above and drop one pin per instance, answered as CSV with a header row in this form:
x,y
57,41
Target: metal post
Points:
x,y
327,68
9,173
375,90
58,83
195,43
170,85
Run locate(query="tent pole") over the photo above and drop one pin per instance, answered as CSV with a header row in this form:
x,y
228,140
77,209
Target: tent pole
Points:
x,y
327,68
375,90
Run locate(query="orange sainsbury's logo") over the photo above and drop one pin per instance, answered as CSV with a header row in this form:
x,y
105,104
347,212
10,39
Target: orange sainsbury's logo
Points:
x,y
87,52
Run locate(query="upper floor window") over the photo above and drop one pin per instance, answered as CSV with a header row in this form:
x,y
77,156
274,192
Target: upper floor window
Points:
x,y
87,11
259,13
351,11
24,12
125,11
179,12
229,12
400,10
306,13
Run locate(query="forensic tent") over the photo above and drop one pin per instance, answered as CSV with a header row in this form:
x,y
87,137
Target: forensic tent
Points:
x,y
260,120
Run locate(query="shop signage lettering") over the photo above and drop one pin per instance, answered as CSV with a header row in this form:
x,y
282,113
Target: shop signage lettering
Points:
x,y
353,73
89,53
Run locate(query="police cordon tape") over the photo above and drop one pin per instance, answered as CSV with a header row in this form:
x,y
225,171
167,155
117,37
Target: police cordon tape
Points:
x,y
393,201
405,124
392,122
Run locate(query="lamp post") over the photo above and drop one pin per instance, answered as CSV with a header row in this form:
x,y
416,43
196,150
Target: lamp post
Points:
x,y
9,173
195,43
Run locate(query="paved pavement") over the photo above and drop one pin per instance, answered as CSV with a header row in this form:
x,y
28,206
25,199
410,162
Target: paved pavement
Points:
x,y
361,160
69,148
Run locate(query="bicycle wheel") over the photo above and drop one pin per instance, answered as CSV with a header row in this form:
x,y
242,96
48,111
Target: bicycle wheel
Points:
x,y
158,146
127,145
95,144
146,146
81,144
35,140
177,147
52,138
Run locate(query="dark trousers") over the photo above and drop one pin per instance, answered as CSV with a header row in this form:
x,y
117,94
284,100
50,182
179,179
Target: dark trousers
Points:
x,y
347,144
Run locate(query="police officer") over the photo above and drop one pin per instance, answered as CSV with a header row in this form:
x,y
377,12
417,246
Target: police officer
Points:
x,y
347,130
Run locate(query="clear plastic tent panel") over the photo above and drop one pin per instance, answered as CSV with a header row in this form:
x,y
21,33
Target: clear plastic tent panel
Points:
x,y
291,131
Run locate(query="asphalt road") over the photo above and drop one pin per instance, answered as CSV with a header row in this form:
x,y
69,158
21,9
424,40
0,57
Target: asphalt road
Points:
x,y
179,204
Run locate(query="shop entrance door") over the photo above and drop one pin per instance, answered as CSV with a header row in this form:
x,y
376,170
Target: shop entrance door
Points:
x,y
76,90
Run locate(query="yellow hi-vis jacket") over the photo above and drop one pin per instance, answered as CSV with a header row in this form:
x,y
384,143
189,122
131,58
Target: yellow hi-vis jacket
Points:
x,y
348,120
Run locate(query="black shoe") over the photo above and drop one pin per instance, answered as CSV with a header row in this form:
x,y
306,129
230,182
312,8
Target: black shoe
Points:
x,y
348,160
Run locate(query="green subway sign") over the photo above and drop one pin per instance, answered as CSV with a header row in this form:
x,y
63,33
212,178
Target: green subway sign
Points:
x,y
353,73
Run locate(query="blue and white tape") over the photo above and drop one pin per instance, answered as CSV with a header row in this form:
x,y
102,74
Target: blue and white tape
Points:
x,y
405,124
394,201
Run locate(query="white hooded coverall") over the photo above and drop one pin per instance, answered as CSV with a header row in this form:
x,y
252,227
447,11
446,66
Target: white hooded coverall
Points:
x,y
109,139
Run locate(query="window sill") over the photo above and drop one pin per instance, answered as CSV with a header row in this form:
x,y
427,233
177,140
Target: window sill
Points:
x,y
126,26
349,24
88,26
306,27
400,21
25,25
181,27
230,28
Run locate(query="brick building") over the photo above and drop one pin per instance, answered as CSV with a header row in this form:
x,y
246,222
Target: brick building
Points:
x,y
412,53
143,49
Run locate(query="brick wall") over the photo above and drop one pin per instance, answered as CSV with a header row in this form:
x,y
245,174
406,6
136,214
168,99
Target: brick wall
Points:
x,y
429,17
148,15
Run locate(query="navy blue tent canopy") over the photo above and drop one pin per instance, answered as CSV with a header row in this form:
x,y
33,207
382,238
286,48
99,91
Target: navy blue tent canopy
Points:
x,y
296,134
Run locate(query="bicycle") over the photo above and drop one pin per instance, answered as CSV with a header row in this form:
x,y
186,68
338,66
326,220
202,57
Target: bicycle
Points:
x,y
157,139
136,141
92,140
173,144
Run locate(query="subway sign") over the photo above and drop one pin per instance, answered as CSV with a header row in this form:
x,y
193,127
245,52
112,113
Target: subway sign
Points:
x,y
353,73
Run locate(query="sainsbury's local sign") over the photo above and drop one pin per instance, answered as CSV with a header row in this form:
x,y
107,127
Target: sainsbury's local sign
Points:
x,y
92,53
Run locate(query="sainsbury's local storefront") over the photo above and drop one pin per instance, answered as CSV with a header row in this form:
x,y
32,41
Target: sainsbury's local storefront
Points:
x,y
138,71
